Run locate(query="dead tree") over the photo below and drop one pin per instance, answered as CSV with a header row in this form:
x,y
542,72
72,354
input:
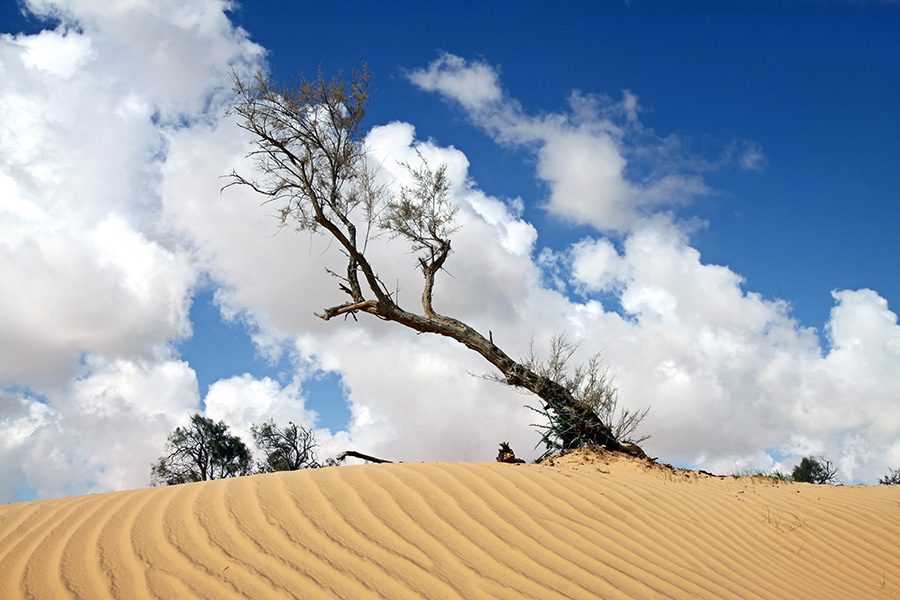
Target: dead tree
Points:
x,y
311,163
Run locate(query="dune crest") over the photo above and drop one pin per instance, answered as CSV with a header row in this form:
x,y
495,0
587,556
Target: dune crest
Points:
x,y
589,525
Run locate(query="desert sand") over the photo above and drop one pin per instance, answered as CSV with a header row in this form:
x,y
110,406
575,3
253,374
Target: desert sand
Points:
x,y
589,525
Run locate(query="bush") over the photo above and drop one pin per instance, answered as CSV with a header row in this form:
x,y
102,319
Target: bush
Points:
x,y
201,451
814,469
892,478
286,449
774,475
592,388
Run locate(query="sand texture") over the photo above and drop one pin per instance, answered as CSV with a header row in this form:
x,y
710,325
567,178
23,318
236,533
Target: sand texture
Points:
x,y
588,526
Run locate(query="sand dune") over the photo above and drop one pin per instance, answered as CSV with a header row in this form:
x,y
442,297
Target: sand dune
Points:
x,y
588,526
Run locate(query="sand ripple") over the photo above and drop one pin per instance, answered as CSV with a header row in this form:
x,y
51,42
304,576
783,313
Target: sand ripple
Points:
x,y
594,527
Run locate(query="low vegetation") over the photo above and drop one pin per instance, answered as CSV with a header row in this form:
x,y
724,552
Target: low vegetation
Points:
x,y
775,475
892,478
206,450
812,469
815,469
595,399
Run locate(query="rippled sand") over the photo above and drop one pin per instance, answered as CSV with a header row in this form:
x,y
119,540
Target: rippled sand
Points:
x,y
589,526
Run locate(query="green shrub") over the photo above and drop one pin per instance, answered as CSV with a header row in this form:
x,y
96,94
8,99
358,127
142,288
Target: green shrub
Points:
x,y
892,478
774,474
814,469
591,386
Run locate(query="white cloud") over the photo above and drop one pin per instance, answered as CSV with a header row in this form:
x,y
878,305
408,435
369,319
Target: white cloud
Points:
x,y
101,286
105,289
243,400
586,175
474,85
752,157
62,55
731,377
596,265
178,54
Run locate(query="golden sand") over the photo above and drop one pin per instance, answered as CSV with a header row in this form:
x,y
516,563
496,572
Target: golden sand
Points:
x,y
590,525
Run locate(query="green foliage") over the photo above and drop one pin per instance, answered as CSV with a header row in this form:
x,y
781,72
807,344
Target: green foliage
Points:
x,y
561,431
892,478
201,451
774,475
814,469
595,396
286,449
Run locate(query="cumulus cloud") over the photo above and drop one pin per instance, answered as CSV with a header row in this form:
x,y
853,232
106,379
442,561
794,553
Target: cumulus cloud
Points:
x,y
97,432
734,381
474,85
244,400
102,287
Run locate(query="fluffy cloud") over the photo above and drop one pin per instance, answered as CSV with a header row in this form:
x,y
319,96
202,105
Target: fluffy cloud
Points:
x,y
97,432
102,286
474,85
244,400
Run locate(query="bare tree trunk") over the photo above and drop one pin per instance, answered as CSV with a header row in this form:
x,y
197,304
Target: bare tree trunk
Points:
x,y
554,395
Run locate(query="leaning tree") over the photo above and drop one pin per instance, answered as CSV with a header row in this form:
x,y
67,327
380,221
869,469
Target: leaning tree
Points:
x,y
310,159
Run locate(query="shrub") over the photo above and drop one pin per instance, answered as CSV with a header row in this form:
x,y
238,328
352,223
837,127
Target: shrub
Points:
x,y
286,448
201,451
595,397
775,475
892,478
814,469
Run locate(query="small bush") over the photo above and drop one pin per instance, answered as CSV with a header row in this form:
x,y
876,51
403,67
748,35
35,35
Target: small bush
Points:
x,y
775,475
286,448
591,386
814,469
892,478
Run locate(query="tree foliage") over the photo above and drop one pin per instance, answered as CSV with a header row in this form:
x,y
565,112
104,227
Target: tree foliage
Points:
x,y
814,469
310,159
286,448
201,451
892,478
592,388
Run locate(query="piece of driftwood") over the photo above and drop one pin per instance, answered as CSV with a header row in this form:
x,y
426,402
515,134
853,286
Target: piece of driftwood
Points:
x,y
506,455
355,454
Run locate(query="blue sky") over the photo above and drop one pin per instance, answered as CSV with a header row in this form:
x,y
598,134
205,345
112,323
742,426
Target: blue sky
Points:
x,y
706,192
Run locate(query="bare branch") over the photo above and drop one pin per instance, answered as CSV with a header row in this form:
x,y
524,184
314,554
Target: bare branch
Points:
x,y
370,306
